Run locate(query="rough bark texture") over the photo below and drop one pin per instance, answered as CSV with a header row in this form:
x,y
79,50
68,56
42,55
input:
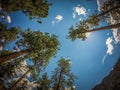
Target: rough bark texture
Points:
x,y
11,56
19,80
105,28
112,81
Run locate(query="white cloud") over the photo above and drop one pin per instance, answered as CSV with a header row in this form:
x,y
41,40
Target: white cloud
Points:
x,y
109,45
8,19
79,10
100,4
103,60
110,48
57,19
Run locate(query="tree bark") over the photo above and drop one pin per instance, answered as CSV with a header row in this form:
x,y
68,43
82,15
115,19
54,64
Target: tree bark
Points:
x,y
104,28
12,56
19,80
58,85
107,11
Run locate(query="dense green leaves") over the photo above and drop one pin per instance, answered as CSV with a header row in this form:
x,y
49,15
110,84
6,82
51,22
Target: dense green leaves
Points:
x,y
8,34
93,20
38,44
79,31
43,82
33,8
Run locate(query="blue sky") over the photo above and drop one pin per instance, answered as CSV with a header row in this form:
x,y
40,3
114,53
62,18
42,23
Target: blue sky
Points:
x,y
86,56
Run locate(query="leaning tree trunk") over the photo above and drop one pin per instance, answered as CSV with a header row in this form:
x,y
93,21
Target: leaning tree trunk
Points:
x,y
107,11
12,56
104,28
19,80
58,85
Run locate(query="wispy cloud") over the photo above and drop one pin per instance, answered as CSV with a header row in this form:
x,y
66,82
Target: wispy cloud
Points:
x,y
110,48
79,10
103,60
57,19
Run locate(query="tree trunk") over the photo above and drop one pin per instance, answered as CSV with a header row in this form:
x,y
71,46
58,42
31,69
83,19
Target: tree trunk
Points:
x,y
12,56
19,80
58,85
2,86
107,11
104,28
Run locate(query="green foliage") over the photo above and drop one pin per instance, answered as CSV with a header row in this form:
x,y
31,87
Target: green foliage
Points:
x,y
43,82
93,20
9,34
79,31
62,77
39,44
7,69
33,8
38,67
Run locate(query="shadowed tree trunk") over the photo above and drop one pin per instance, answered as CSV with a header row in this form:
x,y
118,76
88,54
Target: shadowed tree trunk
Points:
x,y
58,85
19,80
103,28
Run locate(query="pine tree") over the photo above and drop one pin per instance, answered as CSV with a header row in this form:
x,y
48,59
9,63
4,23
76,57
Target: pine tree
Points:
x,y
35,70
62,77
34,43
82,28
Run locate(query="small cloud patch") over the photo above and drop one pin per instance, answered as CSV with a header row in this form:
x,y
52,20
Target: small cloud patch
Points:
x,y
57,19
79,10
8,18
109,45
